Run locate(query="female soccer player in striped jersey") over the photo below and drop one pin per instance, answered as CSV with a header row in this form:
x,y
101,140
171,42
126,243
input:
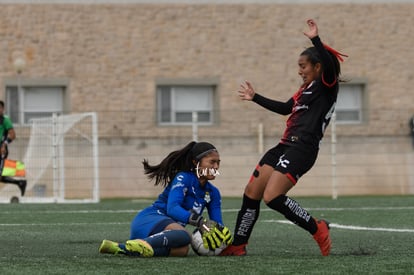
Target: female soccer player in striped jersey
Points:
x,y
310,110
158,230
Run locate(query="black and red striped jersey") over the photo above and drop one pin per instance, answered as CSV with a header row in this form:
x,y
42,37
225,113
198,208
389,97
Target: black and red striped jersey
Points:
x,y
310,108
311,112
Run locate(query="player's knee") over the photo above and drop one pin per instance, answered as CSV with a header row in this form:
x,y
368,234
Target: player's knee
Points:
x,y
182,247
186,236
182,237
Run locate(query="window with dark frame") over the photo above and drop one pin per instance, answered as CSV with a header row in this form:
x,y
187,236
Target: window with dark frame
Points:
x,y
349,106
26,102
177,103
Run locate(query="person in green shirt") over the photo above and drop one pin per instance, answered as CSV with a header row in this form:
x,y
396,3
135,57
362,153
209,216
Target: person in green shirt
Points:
x,y
7,135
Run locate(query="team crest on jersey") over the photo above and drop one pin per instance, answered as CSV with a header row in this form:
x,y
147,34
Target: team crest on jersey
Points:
x,y
207,197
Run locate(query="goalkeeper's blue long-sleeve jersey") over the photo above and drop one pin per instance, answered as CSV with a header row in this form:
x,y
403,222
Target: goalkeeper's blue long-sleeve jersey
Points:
x,y
185,194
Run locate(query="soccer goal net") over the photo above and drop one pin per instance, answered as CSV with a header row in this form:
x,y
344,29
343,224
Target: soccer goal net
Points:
x,y
61,161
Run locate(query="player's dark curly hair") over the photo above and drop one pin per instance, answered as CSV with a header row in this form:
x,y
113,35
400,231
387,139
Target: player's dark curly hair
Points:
x,y
314,58
177,161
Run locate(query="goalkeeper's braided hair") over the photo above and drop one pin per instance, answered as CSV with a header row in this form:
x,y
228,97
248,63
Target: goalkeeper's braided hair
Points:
x,y
177,161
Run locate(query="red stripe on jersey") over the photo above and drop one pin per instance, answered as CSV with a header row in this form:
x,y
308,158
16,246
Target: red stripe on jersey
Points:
x,y
327,84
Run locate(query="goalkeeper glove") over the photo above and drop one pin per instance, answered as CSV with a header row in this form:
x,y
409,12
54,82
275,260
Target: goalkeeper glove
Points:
x,y
224,234
200,222
195,219
210,239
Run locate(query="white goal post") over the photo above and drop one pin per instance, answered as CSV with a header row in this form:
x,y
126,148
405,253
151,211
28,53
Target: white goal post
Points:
x,y
61,161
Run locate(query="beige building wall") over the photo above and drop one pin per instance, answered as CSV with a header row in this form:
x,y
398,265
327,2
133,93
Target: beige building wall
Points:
x,y
112,56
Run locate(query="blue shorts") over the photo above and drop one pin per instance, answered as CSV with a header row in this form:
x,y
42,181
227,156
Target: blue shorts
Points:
x,y
148,222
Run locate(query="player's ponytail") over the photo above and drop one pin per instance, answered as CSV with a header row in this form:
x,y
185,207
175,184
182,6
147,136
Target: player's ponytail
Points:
x,y
176,161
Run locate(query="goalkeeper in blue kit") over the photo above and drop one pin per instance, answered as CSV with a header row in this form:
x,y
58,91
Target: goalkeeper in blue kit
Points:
x,y
159,230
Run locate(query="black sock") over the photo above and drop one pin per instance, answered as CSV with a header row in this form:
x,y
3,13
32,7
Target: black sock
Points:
x,y
294,212
246,218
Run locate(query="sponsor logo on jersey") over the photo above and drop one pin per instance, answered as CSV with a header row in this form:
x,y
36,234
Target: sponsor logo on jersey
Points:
x,y
300,107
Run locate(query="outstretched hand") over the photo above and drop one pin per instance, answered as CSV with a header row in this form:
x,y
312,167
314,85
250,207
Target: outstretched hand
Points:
x,y
313,29
246,91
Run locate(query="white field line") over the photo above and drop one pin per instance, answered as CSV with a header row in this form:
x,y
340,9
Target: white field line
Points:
x,y
363,228
64,224
341,209
71,211
223,210
332,225
353,227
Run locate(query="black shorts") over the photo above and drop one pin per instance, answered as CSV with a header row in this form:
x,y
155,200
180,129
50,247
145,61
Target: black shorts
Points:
x,y
292,161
